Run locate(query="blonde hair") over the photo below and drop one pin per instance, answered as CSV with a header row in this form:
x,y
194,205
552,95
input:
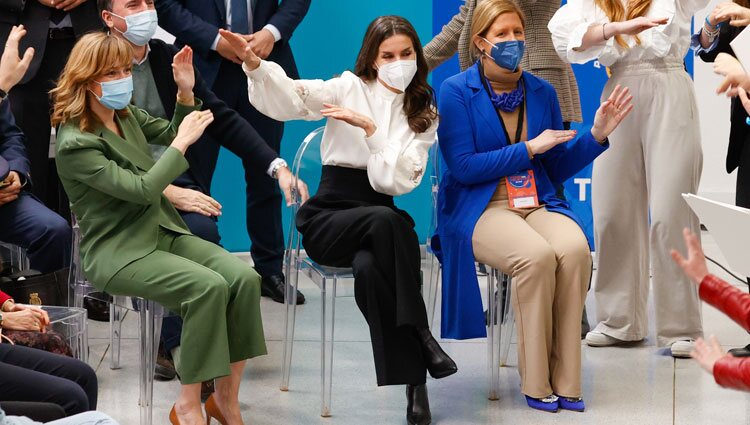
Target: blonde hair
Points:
x,y
485,15
93,56
616,13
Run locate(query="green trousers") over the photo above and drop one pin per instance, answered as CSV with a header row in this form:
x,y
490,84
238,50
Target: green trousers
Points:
x,y
216,294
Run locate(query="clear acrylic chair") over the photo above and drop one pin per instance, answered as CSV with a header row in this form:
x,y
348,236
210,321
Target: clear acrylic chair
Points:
x,y
16,256
150,319
306,166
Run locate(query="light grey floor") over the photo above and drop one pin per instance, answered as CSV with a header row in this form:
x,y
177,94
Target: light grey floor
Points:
x,y
638,385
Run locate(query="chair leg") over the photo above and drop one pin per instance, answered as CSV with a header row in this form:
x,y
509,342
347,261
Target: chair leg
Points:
x,y
290,301
493,339
327,316
115,331
508,321
435,271
149,336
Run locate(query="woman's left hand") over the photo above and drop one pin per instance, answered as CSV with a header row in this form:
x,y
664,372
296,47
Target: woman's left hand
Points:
x,y
737,15
184,74
348,116
611,113
707,354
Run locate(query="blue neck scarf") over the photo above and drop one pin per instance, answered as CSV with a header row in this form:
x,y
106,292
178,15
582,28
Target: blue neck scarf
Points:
x,y
508,102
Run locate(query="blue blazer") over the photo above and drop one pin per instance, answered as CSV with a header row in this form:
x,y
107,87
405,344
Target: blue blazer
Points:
x,y
478,156
196,23
12,147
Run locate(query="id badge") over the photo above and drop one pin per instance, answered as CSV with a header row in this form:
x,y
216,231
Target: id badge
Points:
x,y
522,190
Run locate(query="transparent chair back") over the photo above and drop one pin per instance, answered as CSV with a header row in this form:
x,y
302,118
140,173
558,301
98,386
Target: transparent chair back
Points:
x,y
307,166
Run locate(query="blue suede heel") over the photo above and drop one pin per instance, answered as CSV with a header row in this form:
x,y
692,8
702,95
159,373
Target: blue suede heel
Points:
x,y
547,404
575,404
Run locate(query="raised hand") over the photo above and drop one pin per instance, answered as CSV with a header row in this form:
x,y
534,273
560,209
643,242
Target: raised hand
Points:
x,y
191,129
13,68
735,75
695,265
737,15
242,48
636,26
184,74
549,139
350,117
611,113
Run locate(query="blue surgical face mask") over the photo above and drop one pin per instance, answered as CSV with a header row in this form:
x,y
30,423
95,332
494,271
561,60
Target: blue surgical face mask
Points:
x,y
116,94
507,54
141,27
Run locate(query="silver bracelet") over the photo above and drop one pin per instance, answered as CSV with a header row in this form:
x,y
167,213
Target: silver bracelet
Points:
x,y
604,36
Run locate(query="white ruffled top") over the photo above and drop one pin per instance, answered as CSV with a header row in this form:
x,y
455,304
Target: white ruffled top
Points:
x,y
670,41
395,157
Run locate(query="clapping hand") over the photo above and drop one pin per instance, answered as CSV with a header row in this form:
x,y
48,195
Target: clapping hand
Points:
x,y
611,113
737,15
13,68
728,66
637,25
707,353
184,74
695,265
242,48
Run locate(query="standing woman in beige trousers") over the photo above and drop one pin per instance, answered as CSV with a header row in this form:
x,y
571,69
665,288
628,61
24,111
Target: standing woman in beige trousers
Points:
x,y
655,156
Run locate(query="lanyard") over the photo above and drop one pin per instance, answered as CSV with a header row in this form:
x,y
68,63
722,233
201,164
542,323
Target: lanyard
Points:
x,y
519,126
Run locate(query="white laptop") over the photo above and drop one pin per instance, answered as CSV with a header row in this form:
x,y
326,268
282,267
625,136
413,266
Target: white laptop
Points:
x,y
730,227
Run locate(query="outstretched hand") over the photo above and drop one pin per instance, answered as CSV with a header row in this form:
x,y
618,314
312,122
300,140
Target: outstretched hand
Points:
x,y
13,67
242,48
183,72
695,265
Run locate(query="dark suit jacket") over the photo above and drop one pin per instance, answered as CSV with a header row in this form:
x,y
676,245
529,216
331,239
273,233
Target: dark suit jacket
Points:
x,y
11,142
35,18
196,23
739,130
229,129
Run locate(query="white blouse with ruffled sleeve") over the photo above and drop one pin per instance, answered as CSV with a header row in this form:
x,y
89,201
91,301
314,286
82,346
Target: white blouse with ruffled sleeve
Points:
x,y
395,157
670,41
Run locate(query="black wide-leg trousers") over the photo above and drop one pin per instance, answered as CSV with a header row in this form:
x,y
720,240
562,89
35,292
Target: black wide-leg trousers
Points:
x,y
348,224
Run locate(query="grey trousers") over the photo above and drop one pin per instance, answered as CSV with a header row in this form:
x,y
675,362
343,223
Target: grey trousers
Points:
x,y
639,214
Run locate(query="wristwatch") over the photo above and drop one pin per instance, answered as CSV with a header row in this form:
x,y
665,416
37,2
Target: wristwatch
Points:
x,y
276,166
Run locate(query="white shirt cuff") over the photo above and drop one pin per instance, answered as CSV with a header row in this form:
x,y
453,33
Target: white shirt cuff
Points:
x,y
275,31
271,167
216,42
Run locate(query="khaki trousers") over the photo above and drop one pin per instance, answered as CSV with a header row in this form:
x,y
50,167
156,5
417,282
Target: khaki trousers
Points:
x,y
655,156
549,259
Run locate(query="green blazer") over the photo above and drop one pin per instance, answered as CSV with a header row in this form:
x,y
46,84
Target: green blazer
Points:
x,y
115,188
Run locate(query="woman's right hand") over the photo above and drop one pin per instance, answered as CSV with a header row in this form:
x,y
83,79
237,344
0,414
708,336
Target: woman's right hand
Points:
x,y
24,320
737,15
191,129
635,26
241,48
549,139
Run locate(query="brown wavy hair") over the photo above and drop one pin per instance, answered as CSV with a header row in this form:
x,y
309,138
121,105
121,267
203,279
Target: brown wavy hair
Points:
x,y
743,3
419,96
616,13
93,56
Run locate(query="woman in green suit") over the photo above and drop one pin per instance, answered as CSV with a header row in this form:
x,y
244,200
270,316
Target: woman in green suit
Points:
x,y
133,241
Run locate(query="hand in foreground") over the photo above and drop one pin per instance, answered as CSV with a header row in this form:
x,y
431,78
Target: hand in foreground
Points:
x,y
12,67
707,353
636,26
26,318
695,265
190,200
287,185
737,15
549,139
611,113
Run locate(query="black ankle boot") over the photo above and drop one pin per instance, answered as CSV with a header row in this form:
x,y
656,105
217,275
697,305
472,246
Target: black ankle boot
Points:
x,y
418,406
439,364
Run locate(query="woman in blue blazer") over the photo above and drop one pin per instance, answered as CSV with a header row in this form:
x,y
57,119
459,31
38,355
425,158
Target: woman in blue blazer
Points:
x,y
502,139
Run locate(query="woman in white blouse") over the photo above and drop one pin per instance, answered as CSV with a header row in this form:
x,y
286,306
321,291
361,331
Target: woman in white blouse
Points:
x,y
655,156
381,125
